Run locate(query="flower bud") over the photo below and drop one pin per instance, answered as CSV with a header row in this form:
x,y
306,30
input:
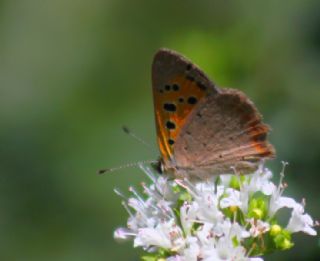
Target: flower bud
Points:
x,y
275,230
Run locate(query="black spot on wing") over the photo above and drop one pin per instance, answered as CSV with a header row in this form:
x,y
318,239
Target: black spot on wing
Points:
x,y
190,78
201,86
171,107
170,125
167,87
175,87
192,100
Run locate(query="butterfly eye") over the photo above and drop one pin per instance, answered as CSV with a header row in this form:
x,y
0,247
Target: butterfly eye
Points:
x,y
158,166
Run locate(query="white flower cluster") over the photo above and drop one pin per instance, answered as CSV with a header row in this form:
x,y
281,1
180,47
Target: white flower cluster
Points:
x,y
232,217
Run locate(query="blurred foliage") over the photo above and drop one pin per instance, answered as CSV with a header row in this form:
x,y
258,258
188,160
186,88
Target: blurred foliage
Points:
x,y
73,72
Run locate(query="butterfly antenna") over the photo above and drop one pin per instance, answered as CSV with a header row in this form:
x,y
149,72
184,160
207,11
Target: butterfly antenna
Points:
x,y
133,135
129,165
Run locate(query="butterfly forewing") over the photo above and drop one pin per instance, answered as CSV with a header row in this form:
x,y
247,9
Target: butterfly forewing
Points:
x,y
178,86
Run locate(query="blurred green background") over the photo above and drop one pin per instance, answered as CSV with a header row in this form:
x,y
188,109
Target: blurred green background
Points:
x,y
72,72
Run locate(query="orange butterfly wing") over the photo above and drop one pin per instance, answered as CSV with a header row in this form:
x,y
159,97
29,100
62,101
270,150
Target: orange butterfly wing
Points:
x,y
178,86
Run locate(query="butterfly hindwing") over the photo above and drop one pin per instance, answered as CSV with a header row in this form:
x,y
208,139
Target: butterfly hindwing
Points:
x,y
226,130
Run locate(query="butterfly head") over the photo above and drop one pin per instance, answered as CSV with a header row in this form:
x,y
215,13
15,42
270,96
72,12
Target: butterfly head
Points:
x,y
162,166
169,168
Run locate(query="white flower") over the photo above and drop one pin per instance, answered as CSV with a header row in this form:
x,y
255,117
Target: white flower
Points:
x,y
230,229
123,234
232,199
192,250
224,250
258,181
210,220
165,235
258,227
277,201
208,201
301,222
188,214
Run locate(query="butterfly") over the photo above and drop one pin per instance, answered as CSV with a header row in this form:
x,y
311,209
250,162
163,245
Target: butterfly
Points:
x,y
203,130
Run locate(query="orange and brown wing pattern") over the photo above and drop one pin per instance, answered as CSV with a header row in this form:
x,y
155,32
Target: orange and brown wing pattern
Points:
x,y
225,130
178,86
